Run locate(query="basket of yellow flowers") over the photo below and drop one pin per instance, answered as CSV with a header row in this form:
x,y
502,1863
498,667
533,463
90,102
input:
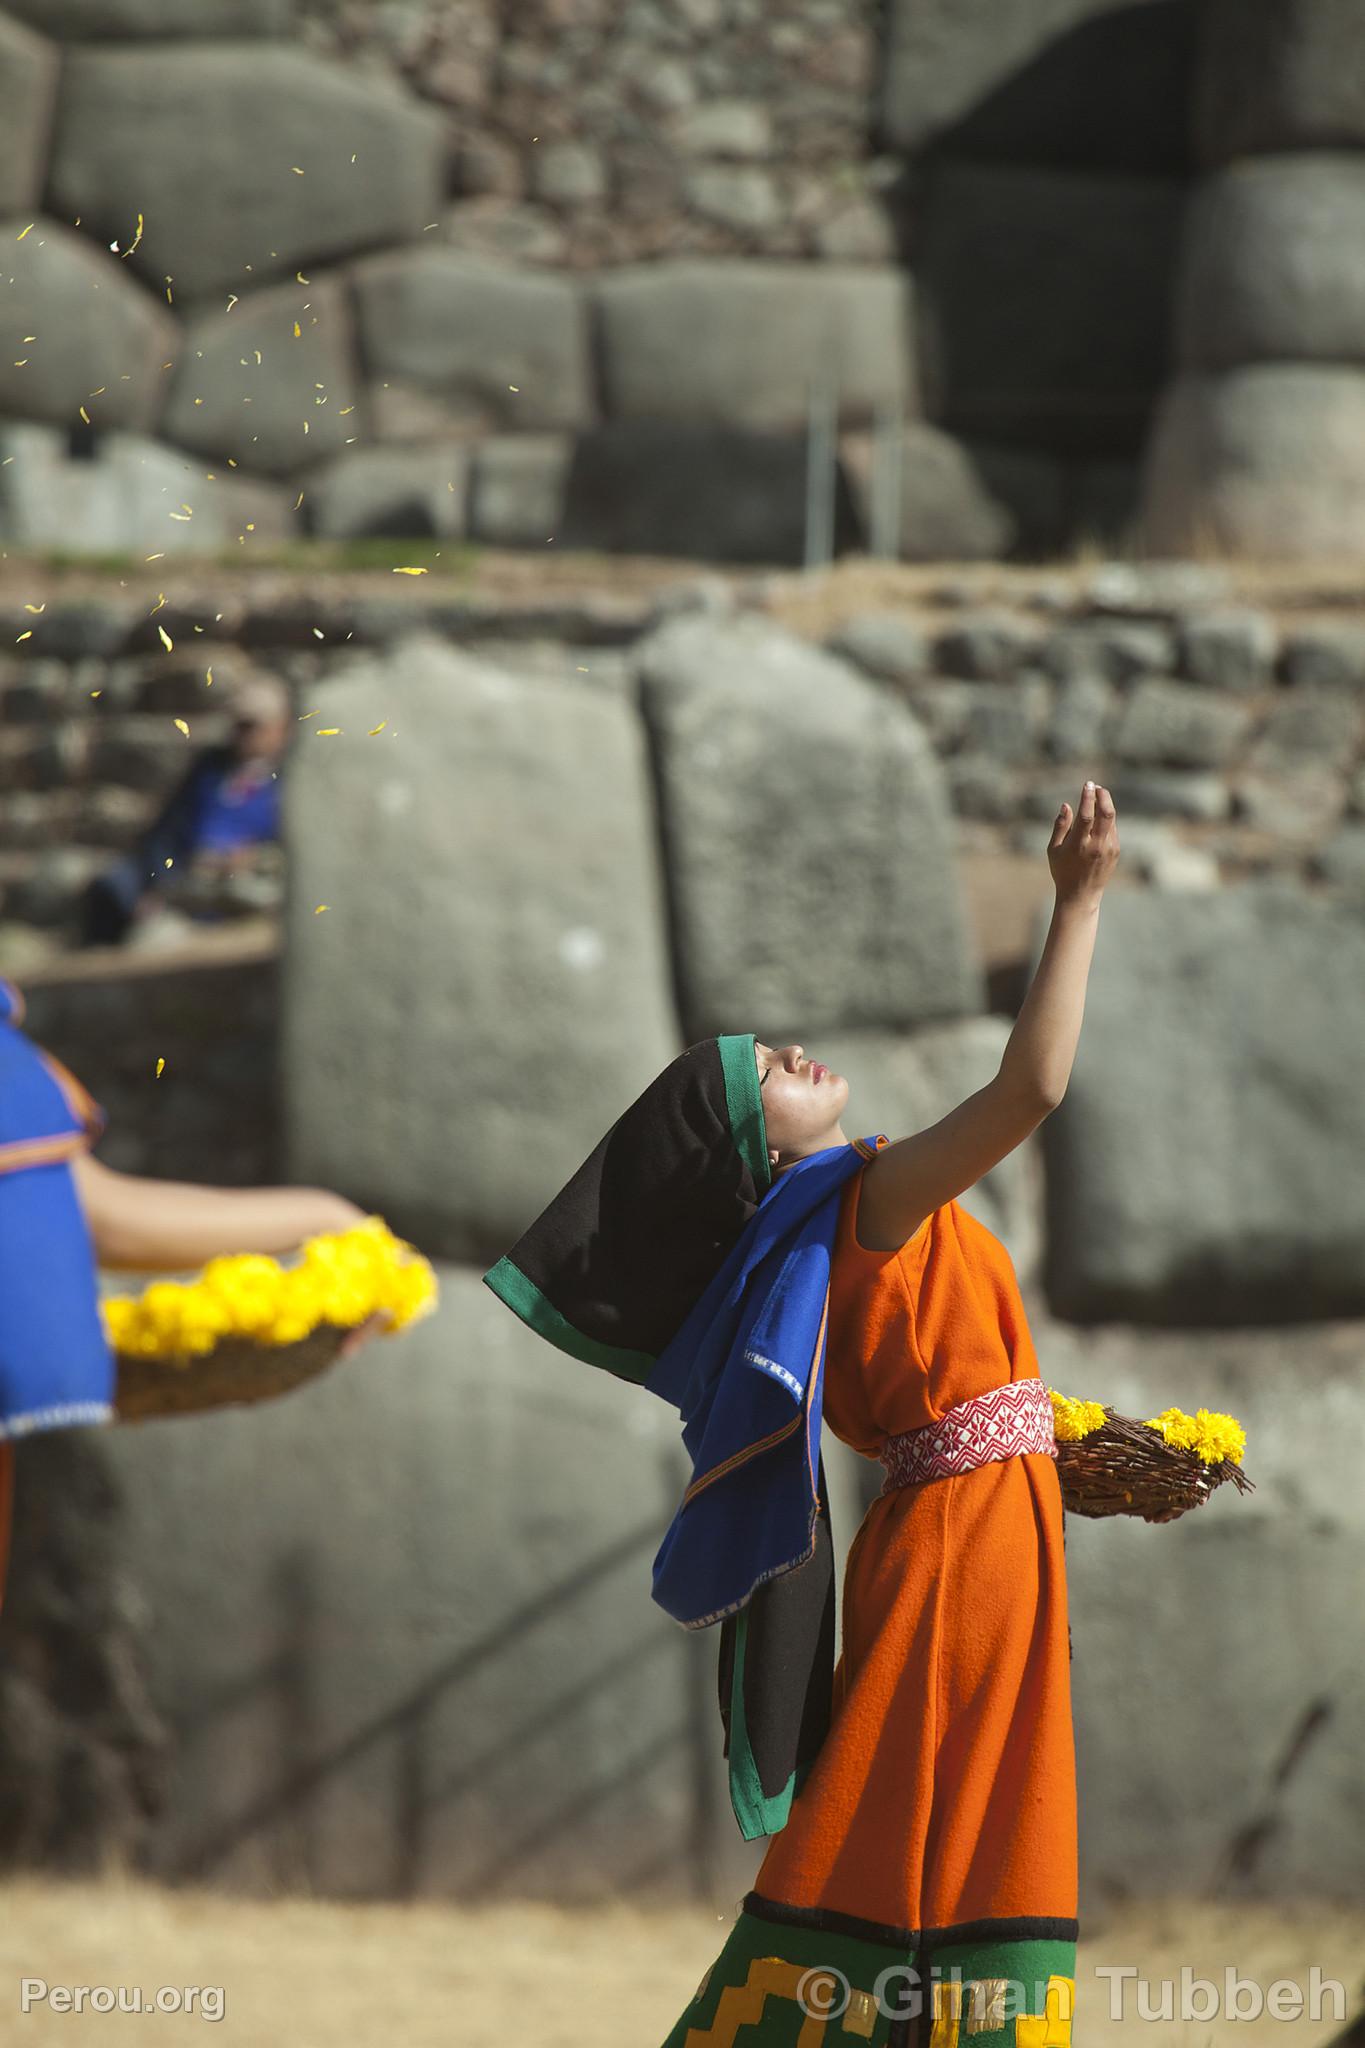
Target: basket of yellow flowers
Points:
x,y
248,1328
1112,1464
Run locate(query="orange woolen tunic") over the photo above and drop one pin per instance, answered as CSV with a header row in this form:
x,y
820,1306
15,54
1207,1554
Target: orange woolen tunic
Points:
x,y
945,1790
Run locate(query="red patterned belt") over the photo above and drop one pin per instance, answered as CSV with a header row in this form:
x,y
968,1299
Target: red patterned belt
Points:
x,y
1007,1422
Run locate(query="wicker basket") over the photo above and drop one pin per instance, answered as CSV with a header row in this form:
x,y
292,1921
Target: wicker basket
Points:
x,y
236,1371
1126,1467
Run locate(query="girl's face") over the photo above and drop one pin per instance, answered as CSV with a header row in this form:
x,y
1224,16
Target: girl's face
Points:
x,y
802,1102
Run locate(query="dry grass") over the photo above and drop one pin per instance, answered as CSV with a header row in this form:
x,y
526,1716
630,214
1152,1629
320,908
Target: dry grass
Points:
x,y
300,1973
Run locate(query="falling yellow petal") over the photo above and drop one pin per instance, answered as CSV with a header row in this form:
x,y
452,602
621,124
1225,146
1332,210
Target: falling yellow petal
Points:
x,y
97,693
160,1068
327,732
409,572
166,640
84,414
297,173
297,330
181,726
318,633
25,636
35,607
209,679
160,600
378,728
298,501
155,558
513,387
321,907
29,229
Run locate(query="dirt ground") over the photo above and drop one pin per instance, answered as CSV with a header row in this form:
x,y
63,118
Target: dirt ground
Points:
x,y
299,1973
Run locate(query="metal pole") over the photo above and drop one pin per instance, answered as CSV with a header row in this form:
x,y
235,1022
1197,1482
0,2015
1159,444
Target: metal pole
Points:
x,y
821,458
884,520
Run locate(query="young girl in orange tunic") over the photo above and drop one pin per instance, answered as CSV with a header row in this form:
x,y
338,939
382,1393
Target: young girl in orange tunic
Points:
x,y
924,1887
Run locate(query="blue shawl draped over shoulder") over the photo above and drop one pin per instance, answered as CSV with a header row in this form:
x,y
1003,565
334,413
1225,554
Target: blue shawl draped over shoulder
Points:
x,y
56,1368
746,1373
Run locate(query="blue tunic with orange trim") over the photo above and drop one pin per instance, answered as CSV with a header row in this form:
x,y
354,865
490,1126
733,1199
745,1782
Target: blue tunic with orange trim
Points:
x,y
56,1368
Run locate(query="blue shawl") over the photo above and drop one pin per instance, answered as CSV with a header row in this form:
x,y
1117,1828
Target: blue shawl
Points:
x,y
746,1372
56,1368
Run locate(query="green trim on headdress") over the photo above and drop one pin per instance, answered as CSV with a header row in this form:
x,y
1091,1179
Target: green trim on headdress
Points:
x,y
744,1103
525,1299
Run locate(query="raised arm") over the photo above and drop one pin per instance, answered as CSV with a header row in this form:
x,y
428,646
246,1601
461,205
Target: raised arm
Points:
x,y
911,1178
171,1226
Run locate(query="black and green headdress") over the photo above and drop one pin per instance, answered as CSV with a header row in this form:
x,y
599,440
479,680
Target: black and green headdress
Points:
x,y
609,1270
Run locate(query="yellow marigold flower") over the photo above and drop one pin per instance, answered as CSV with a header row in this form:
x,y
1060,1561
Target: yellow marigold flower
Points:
x,y
340,1279
1074,1420
1209,1434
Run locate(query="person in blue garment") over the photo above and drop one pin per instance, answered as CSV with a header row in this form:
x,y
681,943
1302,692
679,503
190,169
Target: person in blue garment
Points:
x,y
63,1214
216,820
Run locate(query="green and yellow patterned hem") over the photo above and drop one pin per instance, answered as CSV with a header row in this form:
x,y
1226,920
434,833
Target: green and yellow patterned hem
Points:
x,y
778,1984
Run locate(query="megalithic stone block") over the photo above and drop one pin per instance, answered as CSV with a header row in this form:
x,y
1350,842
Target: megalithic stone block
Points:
x,y
1207,1164
488,985
811,849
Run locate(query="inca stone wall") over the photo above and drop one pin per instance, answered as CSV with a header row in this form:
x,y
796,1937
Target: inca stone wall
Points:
x,y
430,1664
1227,717
568,277
1258,447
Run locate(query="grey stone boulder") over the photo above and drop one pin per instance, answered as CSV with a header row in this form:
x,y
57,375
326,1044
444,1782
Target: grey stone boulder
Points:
x,y
247,386
28,80
1261,462
1207,1165
903,1083
94,330
707,492
1295,807
480,1513
1341,860
119,21
509,345
1081,724
738,343
1044,302
1179,725
1273,264
1249,1766
1229,650
1120,650
882,644
262,158
1282,74
1325,653
987,646
1196,795
491,857
811,858
397,492
518,489
949,511
1103,83
131,497
1313,725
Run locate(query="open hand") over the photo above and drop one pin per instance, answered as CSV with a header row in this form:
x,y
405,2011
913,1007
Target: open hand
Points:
x,y
1084,847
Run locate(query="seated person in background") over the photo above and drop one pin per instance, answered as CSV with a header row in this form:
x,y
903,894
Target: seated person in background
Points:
x,y
214,825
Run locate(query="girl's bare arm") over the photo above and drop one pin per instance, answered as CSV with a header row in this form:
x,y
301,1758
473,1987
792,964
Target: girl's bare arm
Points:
x,y
171,1226
910,1179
